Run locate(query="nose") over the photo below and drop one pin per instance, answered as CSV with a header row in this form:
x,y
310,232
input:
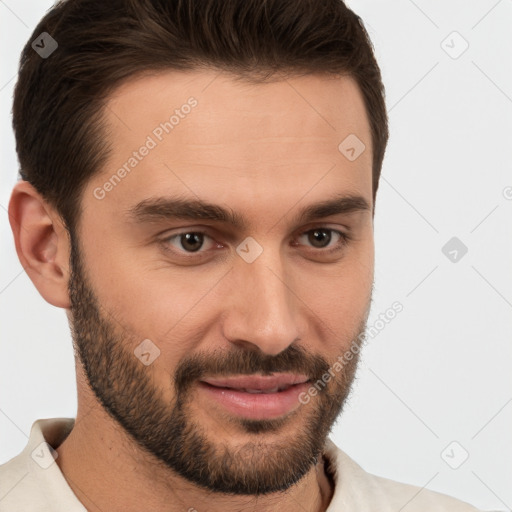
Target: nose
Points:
x,y
262,309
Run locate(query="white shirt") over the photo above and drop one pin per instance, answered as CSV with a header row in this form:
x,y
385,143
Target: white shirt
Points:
x,y
33,482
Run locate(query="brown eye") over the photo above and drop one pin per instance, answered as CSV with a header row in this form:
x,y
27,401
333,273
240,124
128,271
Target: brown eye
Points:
x,y
322,238
191,242
188,242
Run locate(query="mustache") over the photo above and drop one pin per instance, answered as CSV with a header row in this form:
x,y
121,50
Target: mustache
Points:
x,y
294,359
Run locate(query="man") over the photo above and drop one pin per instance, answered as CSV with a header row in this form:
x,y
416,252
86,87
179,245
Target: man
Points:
x,y
198,191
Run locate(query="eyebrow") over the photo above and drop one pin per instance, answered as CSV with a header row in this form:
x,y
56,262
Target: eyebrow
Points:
x,y
169,208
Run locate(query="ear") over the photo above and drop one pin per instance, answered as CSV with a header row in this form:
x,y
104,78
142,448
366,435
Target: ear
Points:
x,y
42,243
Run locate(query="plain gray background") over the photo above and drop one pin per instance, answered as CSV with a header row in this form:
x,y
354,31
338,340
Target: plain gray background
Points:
x,y
434,385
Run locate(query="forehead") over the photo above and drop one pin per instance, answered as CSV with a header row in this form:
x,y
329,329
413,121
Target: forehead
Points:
x,y
325,104
207,133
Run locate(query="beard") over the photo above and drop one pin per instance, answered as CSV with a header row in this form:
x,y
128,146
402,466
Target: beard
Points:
x,y
166,429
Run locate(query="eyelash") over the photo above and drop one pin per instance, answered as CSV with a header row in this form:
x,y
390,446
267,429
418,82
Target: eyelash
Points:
x,y
342,242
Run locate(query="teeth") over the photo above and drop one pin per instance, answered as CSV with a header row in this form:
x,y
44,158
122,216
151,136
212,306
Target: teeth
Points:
x,y
255,391
273,390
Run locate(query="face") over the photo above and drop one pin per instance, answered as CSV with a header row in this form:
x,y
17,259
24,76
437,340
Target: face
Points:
x,y
228,269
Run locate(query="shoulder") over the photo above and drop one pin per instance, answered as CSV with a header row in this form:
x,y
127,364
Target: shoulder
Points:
x,y
32,481
355,490
17,483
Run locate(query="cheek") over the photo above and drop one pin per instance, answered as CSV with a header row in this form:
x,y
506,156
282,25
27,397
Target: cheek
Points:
x,y
345,283
342,300
154,300
338,299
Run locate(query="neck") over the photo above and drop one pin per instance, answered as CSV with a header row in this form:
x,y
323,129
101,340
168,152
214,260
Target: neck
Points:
x,y
107,470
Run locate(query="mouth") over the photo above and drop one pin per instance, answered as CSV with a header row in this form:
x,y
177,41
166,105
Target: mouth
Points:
x,y
255,396
258,383
273,390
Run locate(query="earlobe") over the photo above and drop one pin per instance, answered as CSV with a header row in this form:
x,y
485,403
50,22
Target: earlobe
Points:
x,y
42,243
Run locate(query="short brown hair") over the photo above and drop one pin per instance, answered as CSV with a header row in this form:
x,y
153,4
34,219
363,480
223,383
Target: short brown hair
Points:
x,y
58,101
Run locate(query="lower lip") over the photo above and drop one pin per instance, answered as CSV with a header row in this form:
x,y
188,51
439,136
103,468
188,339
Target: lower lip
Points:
x,y
258,406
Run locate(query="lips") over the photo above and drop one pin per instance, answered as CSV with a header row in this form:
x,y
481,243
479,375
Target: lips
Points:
x,y
258,383
254,397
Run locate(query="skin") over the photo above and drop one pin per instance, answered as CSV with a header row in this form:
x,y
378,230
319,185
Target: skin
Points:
x,y
265,151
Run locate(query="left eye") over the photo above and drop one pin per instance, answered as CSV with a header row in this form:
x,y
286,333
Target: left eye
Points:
x,y
320,238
